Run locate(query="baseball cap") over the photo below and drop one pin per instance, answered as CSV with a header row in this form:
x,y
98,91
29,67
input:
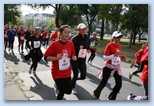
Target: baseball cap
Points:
x,y
81,26
37,28
116,34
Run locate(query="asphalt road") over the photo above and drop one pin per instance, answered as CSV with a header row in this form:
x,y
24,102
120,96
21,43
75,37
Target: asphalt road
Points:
x,y
41,87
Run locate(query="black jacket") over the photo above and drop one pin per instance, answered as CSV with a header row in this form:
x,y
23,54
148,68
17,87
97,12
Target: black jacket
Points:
x,y
78,40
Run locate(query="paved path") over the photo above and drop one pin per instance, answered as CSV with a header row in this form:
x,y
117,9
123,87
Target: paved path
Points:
x,y
19,85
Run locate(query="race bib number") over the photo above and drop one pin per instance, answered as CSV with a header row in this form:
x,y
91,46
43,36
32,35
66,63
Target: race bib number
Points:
x,y
36,44
47,36
82,53
64,63
22,38
5,36
116,60
92,44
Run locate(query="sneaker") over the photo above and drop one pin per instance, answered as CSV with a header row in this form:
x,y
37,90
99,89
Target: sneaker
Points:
x,y
30,71
130,76
56,90
95,96
136,75
74,91
34,73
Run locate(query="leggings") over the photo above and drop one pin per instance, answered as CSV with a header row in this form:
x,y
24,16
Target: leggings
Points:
x,y
76,67
64,87
117,87
92,56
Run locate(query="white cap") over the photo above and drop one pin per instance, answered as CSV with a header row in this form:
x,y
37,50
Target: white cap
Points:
x,y
81,26
116,34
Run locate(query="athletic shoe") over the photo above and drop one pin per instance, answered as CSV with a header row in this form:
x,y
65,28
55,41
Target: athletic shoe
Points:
x,y
130,76
74,91
95,96
30,71
56,90
34,73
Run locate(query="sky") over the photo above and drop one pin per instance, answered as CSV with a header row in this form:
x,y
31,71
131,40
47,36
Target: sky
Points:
x,y
26,9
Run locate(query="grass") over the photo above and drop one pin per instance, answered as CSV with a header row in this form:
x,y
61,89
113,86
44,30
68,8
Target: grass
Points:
x,y
128,52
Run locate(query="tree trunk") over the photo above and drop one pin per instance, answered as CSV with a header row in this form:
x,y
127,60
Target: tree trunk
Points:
x,y
57,8
102,30
130,40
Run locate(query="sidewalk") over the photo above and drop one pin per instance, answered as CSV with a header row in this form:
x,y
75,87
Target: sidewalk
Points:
x,y
12,83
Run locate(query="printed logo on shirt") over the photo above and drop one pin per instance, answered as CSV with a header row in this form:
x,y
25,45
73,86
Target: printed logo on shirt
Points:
x,y
64,62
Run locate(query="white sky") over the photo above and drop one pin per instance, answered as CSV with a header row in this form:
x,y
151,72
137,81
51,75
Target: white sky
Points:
x,y
26,9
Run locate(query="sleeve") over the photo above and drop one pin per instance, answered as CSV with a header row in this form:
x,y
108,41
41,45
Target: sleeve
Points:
x,y
107,50
73,49
50,51
27,42
108,57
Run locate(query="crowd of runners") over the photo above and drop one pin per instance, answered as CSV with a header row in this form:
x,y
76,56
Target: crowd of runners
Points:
x,y
68,56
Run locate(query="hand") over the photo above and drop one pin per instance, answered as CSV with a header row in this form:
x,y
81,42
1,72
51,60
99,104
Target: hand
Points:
x,y
123,57
31,48
88,51
58,56
74,58
117,53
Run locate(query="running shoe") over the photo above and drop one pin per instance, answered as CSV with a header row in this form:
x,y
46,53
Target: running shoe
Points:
x,y
56,89
30,71
74,91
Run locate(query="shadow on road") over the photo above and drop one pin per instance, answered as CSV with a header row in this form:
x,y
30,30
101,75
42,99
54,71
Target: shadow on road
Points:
x,y
11,57
83,94
43,90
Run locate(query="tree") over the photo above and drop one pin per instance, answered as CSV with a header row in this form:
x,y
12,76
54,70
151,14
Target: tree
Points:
x,y
11,13
103,15
90,12
136,19
70,15
115,15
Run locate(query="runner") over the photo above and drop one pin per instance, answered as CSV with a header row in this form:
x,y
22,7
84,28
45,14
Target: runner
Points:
x,y
112,57
11,35
93,43
35,49
5,37
60,52
81,44
54,36
21,38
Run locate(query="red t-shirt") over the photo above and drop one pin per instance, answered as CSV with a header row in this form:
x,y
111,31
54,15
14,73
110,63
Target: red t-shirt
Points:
x,y
110,49
46,35
66,49
5,36
144,75
21,36
54,35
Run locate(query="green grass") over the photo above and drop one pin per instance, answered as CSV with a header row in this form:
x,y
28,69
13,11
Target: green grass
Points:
x,y
128,52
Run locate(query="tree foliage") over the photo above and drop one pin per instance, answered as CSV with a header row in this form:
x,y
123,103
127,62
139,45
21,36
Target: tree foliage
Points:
x,y
136,20
90,12
11,13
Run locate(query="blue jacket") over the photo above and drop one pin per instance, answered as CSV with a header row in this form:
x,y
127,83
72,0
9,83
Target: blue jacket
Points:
x,y
11,34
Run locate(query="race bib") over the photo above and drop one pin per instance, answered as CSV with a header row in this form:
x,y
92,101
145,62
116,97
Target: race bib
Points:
x,y
64,63
82,53
36,44
22,38
116,60
47,36
92,43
